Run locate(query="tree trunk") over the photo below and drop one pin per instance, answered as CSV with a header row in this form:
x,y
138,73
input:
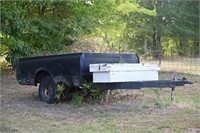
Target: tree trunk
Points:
x,y
199,48
180,48
195,48
42,9
145,48
154,42
159,39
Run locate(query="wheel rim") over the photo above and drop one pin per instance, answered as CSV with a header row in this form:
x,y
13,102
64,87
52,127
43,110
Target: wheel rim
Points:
x,y
48,91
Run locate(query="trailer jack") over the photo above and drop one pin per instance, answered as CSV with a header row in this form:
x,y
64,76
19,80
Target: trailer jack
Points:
x,y
172,93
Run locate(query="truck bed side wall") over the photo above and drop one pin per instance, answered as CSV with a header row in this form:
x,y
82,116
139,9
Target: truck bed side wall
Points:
x,y
56,66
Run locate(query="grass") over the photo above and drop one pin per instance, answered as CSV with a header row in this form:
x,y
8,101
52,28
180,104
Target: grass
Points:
x,y
135,111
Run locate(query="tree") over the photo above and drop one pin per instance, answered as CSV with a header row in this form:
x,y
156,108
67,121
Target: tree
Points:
x,y
39,27
172,20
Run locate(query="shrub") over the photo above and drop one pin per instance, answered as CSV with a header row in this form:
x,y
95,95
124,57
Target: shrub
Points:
x,y
92,92
59,92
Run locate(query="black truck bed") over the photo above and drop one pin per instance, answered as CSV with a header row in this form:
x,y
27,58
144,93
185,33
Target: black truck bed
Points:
x,y
72,69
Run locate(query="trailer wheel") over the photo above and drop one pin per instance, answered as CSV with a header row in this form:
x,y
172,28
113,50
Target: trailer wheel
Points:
x,y
47,90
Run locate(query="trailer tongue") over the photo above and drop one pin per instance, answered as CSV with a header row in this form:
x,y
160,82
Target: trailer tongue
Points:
x,y
132,76
143,84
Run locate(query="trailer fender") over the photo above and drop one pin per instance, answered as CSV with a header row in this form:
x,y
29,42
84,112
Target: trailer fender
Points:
x,y
61,79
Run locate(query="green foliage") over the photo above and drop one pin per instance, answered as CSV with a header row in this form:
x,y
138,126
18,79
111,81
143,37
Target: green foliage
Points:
x,y
12,30
59,92
30,28
14,49
4,64
77,100
92,92
168,22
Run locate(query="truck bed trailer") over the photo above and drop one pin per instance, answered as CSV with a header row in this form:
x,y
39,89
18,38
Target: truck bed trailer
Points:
x,y
74,69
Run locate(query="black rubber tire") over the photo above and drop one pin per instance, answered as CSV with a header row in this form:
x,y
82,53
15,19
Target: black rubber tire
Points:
x,y
47,90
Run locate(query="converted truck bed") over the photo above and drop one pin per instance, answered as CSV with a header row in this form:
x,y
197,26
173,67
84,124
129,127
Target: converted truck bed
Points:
x,y
72,70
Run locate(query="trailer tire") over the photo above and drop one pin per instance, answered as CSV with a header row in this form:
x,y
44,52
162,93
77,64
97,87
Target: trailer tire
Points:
x,y
47,90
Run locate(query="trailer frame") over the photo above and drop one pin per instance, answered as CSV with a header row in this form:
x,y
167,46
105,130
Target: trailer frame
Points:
x,y
145,84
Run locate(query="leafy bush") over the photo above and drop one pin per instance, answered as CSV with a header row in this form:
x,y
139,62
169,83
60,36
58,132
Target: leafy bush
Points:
x,y
14,49
4,64
92,92
59,92
88,93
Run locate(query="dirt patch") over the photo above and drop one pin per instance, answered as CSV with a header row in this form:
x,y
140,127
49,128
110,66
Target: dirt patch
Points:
x,y
193,130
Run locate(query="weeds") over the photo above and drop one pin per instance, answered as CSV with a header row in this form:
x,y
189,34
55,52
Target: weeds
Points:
x,y
187,100
77,100
92,92
89,92
59,92
164,124
145,105
161,101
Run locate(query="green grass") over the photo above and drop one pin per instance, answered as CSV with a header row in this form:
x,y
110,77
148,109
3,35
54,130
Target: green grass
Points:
x,y
187,100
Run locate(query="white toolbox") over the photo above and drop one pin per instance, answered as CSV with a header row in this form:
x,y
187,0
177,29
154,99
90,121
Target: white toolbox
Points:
x,y
120,72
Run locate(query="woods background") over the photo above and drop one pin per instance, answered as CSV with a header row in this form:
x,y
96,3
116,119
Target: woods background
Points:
x,y
159,30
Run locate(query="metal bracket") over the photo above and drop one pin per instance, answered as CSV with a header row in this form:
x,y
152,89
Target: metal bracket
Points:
x,y
174,78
